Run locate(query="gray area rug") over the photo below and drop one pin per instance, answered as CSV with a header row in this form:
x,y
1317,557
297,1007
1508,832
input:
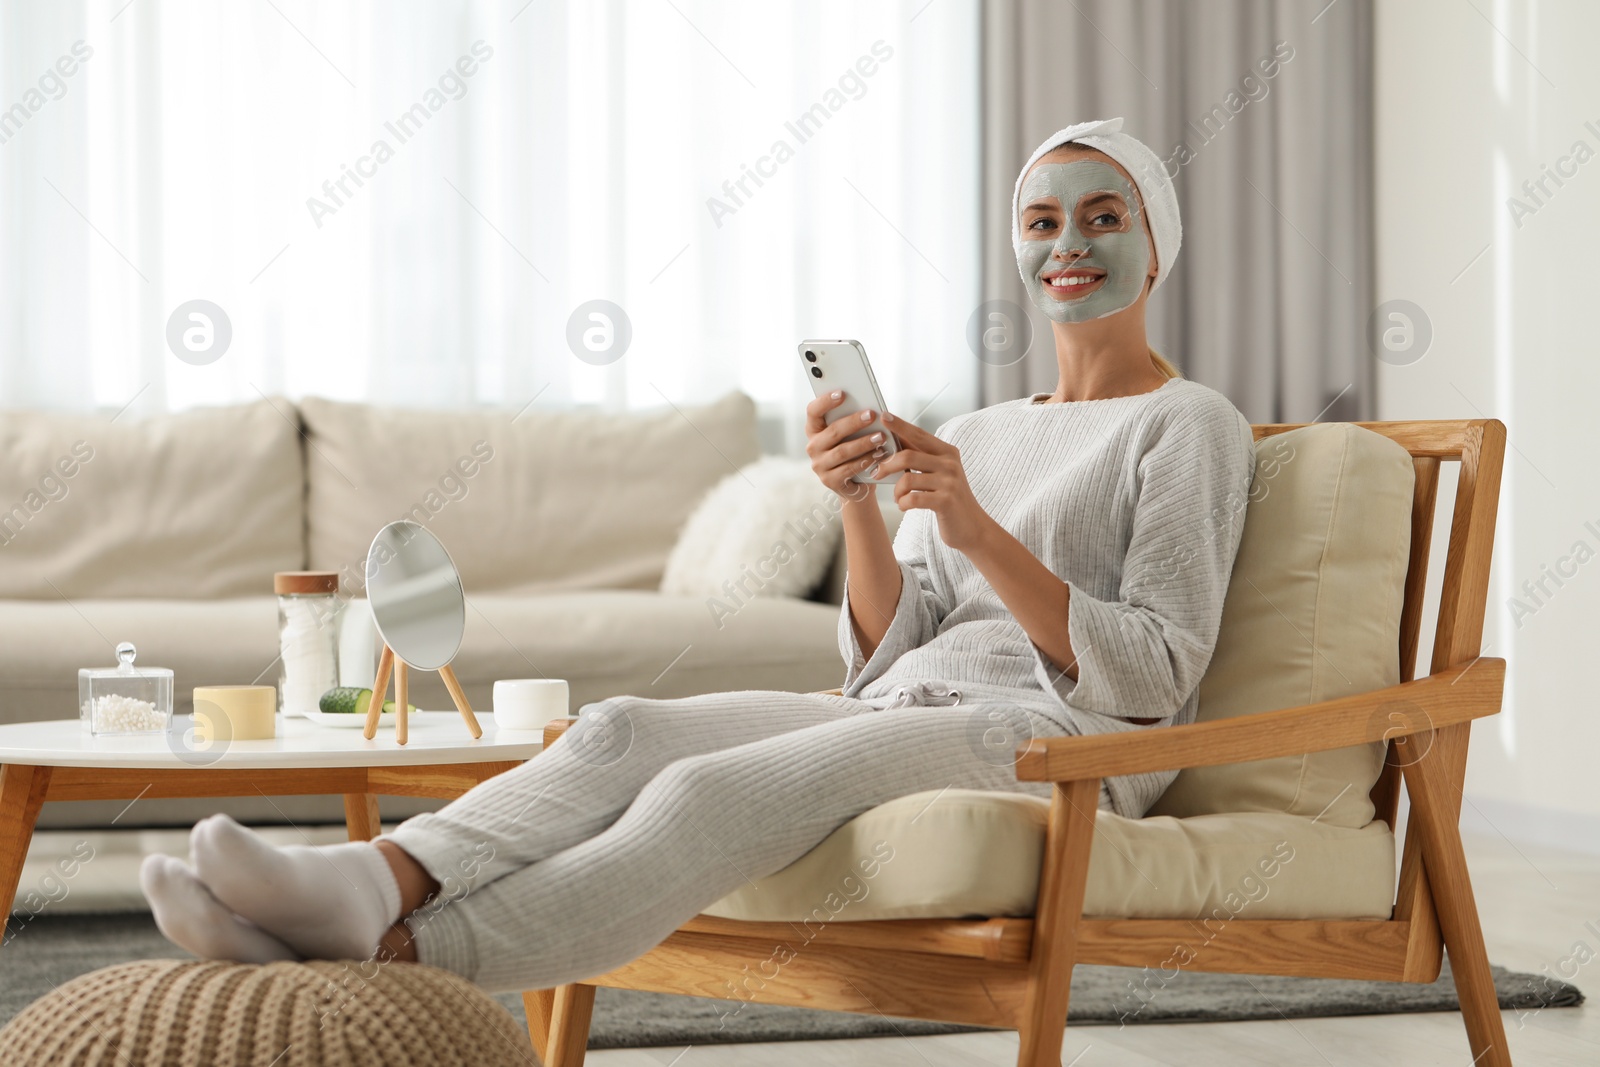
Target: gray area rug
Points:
x,y
40,954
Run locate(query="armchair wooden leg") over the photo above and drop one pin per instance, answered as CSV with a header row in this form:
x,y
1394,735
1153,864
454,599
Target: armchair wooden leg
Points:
x,y
539,1005
572,1007
1068,837
1439,821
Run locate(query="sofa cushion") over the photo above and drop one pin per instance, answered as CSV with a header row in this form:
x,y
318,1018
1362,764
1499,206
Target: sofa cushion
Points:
x,y
961,852
1312,613
201,504
605,642
537,500
204,642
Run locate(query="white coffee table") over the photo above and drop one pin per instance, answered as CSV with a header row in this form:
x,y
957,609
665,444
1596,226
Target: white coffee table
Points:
x,y
61,760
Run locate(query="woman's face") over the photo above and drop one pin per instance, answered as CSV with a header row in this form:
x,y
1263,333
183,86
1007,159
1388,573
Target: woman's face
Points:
x,y
1086,252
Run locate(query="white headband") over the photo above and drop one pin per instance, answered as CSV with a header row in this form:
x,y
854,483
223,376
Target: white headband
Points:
x,y
1149,176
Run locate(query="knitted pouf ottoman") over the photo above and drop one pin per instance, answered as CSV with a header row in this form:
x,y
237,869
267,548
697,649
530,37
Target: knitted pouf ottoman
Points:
x,y
214,1014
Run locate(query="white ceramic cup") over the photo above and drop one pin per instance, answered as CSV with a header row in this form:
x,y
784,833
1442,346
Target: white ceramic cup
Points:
x,y
529,703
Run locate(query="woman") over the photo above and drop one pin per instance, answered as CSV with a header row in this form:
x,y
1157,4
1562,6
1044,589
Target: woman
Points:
x,y
1060,570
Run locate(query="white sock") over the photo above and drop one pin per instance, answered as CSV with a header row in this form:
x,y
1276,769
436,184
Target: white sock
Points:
x,y
196,921
329,903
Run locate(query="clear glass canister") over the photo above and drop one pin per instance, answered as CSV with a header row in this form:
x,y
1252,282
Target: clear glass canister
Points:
x,y
308,637
126,699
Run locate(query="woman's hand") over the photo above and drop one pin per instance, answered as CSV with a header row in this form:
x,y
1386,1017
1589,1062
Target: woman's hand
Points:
x,y
934,479
834,459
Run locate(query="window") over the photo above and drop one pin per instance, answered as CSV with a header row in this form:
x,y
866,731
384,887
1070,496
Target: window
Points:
x,y
408,202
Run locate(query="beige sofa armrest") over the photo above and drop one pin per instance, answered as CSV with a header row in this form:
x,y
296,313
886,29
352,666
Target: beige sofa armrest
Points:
x,y
1457,694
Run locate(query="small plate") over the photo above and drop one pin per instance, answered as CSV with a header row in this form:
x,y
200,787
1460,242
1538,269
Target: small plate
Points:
x,y
350,721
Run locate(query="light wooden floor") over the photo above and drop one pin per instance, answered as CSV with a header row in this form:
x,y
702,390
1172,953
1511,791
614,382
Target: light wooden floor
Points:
x,y
1535,903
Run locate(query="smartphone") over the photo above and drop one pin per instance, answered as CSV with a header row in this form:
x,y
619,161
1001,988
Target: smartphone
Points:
x,y
843,365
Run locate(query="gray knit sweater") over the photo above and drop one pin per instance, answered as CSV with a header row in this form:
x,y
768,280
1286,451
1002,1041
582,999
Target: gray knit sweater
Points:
x,y
1137,503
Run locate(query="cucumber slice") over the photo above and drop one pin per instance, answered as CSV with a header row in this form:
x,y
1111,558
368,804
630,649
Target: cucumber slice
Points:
x,y
350,700
345,700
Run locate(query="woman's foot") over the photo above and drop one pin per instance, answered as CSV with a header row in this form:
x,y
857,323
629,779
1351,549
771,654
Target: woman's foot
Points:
x,y
196,921
333,902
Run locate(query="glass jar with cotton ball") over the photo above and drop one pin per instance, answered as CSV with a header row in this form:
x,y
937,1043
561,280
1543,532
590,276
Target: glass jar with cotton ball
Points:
x,y
309,610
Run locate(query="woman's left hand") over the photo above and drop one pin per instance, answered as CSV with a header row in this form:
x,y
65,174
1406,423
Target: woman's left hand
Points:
x,y
934,479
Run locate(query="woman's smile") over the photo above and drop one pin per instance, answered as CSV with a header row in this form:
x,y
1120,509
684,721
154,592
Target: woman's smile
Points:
x,y
1073,283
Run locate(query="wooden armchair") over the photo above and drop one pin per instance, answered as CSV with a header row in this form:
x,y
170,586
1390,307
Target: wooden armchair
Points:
x,y
1015,973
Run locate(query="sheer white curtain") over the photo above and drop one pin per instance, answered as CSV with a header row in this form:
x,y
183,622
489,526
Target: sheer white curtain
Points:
x,y
406,202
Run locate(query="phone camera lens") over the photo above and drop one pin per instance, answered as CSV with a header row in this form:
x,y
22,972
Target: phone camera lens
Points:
x,y
812,356
816,372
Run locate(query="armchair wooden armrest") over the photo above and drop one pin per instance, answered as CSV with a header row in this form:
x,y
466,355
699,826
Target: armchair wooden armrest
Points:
x,y
1457,694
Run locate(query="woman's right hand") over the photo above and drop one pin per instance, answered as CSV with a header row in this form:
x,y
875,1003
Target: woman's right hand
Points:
x,y
834,459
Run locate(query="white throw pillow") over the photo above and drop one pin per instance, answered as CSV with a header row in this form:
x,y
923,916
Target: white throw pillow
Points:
x,y
770,529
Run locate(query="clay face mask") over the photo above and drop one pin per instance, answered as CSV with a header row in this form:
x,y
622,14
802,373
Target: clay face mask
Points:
x,y
1098,232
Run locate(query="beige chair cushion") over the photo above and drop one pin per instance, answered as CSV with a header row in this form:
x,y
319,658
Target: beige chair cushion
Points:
x,y
962,853
205,503
543,500
1312,613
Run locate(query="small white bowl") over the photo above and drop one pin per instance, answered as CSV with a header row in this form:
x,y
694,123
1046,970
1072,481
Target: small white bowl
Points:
x,y
529,703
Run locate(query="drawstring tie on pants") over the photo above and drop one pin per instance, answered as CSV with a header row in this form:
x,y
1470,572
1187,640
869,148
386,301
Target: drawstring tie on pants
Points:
x,y
924,694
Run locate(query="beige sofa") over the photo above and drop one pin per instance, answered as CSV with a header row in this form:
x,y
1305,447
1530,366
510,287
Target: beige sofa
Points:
x,y
166,532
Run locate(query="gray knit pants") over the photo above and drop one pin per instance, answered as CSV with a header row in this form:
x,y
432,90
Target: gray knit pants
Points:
x,y
648,811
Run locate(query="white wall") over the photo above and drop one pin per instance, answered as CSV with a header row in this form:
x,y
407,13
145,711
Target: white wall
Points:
x,y
1465,115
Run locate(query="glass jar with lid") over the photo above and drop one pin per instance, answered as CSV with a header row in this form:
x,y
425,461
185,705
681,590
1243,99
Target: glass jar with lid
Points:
x,y
309,609
126,699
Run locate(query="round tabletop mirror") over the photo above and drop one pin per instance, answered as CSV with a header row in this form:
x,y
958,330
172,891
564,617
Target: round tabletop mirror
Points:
x,y
416,596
